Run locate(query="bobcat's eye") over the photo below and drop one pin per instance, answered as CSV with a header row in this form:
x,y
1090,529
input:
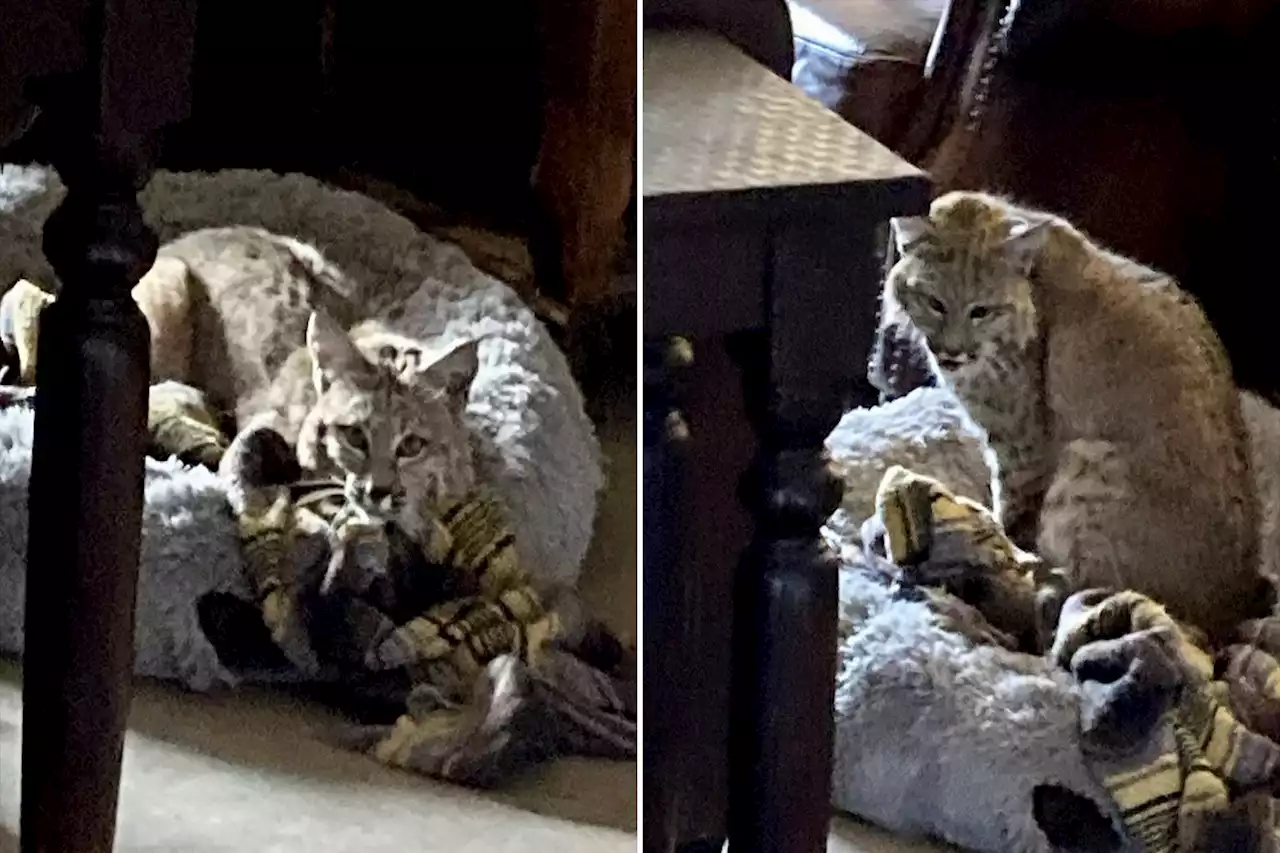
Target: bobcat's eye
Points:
x,y
935,305
979,312
354,437
411,446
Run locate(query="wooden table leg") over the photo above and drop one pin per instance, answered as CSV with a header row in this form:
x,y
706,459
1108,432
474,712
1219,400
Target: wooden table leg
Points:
x,y
665,461
85,508
92,378
800,375
696,442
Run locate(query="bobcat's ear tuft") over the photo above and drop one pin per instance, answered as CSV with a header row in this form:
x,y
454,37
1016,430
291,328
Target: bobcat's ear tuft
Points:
x,y
909,232
332,352
1025,243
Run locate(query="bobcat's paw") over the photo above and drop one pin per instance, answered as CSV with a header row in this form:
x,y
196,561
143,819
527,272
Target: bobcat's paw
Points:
x,y
258,461
260,457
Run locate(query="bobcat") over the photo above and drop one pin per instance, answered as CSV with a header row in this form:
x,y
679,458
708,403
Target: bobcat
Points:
x,y
1112,418
259,323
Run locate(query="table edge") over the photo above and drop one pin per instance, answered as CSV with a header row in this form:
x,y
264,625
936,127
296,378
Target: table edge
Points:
x,y
906,195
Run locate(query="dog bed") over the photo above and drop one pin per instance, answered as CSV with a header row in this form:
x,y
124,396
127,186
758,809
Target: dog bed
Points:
x,y
535,447
937,735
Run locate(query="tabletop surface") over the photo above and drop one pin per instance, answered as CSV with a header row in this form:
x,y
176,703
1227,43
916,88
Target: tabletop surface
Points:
x,y
715,121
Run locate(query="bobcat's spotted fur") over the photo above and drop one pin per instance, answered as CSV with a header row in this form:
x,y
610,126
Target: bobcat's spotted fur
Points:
x,y
259,323
1112,417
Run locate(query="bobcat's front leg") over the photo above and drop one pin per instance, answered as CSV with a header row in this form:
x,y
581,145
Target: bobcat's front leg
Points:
x,y
1083,514
258,469
1017,489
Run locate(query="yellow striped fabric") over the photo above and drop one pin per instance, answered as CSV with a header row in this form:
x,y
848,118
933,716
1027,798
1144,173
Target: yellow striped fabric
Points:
x,y
1186,776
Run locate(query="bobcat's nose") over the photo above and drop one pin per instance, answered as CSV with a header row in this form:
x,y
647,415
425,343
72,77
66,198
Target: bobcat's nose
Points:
x,y
378,493
380,484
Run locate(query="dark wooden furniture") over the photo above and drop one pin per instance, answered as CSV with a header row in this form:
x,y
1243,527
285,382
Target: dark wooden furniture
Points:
x,y
763,221
584,178
109,75
519,119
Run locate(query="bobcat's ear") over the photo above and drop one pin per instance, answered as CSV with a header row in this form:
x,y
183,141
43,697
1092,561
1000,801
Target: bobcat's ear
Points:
x,y
451,371
332,352
1025,242
909,232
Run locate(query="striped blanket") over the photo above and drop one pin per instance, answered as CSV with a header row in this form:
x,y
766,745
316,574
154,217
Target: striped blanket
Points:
x,y
1185,741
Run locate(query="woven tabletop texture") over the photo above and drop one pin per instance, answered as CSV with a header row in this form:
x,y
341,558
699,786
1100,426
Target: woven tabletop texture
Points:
x,y
717,121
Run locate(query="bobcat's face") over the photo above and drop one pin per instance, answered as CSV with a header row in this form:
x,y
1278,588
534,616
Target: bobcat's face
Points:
x,y
963,280
395,434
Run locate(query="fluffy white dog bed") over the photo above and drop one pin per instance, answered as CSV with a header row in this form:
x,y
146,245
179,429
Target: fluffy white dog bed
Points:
x,y
936,736
535,446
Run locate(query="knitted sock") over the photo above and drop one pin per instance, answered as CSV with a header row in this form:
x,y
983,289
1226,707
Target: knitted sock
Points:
x,y
940,539
1156,731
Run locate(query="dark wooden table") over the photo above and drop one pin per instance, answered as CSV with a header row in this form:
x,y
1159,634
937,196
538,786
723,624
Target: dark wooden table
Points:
x,y
764,217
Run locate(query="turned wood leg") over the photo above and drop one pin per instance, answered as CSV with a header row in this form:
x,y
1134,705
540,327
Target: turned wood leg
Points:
x,y
85,506
799,376
665,460
696,441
